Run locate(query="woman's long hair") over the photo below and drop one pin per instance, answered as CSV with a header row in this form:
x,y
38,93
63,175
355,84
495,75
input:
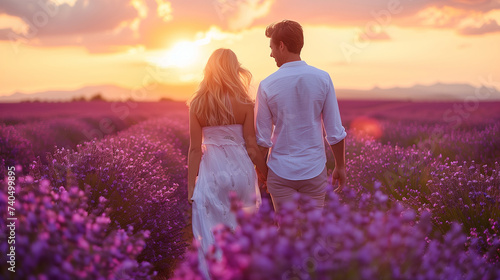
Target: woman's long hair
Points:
x,y
223,78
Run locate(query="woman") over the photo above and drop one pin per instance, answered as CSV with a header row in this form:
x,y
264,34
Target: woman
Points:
x,y
223,148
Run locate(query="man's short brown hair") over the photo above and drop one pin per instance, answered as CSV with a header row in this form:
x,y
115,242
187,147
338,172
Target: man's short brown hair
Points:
x,y
289,32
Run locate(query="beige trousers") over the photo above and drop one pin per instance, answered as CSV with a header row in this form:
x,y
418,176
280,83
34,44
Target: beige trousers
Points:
x,y
282,190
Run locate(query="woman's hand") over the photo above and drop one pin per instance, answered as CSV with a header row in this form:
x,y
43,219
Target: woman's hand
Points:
x,y
190,195
262,180
190,198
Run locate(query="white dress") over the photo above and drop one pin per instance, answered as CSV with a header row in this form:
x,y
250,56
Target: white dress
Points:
x,y
225,167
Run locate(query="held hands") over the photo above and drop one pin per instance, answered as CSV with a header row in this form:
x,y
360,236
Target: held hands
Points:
x,y
339,177
262,180
263,186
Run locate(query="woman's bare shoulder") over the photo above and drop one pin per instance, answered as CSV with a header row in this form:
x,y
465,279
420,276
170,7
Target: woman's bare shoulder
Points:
x,y
237,104
240,109
246,108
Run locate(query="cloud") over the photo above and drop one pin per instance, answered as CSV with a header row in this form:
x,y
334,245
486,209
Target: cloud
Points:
x,y
111,25
6,33
343,12
375,36
483,6
47,18
164,10
488,27
240,14
106,26
103,26
450,14
441,17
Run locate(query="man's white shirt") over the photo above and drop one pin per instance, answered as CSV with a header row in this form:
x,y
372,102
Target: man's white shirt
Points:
x,y
292,106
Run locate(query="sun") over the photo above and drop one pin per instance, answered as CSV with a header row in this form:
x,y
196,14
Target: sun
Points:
x,y
182,55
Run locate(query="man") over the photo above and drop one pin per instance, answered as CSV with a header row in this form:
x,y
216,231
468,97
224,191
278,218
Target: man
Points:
x,y
297,100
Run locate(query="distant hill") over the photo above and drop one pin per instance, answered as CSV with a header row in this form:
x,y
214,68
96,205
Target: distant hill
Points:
x,y
436,92
107,92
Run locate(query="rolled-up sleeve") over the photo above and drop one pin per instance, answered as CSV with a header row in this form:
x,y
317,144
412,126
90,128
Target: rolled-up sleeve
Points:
x,y
335,132
263,120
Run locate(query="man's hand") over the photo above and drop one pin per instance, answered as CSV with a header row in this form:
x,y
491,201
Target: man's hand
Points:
x,y
339,177
339,174
262,181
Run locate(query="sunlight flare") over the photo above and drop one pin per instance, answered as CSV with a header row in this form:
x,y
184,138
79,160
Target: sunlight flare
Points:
x,y
185,54
181,55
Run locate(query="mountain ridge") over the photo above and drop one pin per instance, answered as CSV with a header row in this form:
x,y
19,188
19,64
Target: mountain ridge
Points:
x,y
418,92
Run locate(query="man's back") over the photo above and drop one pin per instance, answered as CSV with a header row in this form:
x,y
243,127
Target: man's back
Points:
x,y
293,99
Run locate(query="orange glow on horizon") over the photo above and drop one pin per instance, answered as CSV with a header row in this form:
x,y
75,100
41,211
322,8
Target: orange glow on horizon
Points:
x,y
366,127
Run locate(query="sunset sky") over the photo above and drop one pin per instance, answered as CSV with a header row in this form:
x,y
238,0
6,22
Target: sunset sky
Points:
x,y
69,44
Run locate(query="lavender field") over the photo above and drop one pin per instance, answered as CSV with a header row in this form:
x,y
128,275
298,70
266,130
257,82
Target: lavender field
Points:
x,y
100,193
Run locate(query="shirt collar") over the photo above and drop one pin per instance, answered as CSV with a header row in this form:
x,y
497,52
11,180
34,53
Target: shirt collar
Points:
x,y
293,63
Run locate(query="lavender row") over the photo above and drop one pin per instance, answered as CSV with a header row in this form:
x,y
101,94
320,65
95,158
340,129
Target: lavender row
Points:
x,y
22,143
351,239
465,192
141,173
407,214
57,237
480,142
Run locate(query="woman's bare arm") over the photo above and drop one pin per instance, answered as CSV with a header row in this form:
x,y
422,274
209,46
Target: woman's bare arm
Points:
x,y
194,154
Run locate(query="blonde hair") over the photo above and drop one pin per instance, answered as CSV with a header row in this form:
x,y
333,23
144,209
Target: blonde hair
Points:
x,y
224,77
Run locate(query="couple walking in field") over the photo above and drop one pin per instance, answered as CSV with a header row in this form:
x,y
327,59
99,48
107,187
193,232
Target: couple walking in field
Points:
x,y
278,141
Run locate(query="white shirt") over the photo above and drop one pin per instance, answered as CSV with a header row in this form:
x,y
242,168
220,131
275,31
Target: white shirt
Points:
x,y
292,104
